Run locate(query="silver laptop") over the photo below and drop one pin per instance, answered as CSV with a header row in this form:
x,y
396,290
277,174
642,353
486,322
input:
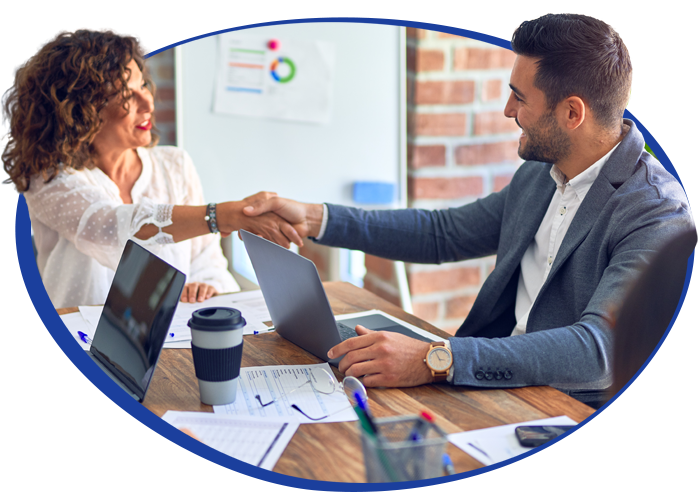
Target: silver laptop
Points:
x,y
297,302
135,319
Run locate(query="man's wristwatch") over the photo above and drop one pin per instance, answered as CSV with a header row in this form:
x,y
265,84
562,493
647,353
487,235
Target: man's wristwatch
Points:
x,y
439,361
97,467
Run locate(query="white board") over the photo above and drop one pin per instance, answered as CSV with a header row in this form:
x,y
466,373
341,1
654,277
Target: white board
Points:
x,y
364,141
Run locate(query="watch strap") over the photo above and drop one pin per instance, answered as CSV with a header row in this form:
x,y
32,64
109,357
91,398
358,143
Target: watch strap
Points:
x,y
211,218
438,376
97,467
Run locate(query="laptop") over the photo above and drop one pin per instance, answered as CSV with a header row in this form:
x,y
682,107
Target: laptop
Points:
x,y
135,319
298,304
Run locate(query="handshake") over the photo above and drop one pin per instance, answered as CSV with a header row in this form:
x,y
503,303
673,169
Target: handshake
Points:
x,y
279,220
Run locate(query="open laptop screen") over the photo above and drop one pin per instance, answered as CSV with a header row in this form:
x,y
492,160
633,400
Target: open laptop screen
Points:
x,y
136,317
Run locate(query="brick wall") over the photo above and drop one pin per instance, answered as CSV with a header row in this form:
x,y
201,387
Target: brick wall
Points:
x,y
152,20
460,148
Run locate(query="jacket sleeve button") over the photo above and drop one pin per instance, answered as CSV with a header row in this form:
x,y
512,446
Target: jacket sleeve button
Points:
x,y
479,375
508,375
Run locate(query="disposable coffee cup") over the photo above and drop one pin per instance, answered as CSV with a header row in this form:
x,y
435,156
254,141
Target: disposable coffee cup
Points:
x,y
217,349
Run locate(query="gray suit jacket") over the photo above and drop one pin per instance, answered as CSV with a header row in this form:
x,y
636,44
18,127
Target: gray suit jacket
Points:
x,y
633,207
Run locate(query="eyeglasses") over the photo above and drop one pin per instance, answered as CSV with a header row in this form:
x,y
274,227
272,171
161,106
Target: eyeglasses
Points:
x,y
325,383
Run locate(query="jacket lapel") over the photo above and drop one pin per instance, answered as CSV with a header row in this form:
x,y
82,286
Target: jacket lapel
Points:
x,y
511,251
614,173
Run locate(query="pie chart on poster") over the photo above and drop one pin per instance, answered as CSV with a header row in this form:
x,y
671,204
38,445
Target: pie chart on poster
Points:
x,y
283,70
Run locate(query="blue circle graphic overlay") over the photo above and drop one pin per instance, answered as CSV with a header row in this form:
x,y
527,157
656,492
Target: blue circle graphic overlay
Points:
x,y
48,314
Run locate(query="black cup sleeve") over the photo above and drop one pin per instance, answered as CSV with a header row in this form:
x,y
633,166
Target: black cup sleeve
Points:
x,y
217,365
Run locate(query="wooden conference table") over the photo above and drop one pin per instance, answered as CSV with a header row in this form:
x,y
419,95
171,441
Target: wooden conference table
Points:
x,y
174,387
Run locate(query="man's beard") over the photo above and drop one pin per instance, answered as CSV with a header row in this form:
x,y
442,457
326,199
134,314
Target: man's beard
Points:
x,y
545,141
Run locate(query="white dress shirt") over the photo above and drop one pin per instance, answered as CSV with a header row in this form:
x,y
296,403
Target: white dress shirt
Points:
x,y
540,254
542,251
37,473
81,225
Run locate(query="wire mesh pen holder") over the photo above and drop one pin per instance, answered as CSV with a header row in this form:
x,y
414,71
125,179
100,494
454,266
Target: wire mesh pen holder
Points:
x,y
406,448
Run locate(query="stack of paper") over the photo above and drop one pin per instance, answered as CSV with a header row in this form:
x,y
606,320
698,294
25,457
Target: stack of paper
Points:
x,y
248,439
75,322
554,474
251,304
286,384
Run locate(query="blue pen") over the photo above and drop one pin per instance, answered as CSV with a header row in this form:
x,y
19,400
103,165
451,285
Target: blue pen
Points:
x,y
271,329
84,337
450,471
362,405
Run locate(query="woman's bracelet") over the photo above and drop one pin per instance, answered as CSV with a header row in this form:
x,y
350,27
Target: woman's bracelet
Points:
x,y
211,218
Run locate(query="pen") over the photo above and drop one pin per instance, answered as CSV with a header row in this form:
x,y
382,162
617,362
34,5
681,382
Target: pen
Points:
x,y
271,329
450,471
84,337
67,420
362,404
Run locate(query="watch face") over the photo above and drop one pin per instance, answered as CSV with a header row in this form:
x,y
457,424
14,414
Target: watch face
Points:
x,y
439,359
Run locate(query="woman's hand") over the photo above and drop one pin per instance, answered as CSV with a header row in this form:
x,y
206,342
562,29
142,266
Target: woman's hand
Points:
x,y
222,484
597,478
197,292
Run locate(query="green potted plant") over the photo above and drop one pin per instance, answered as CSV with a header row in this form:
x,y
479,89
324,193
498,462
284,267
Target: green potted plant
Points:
x,y
684,154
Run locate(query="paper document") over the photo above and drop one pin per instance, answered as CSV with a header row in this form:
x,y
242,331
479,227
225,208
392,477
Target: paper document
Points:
x,y
248,439
554,474
76,323
292,81
270,382
251,304
467,441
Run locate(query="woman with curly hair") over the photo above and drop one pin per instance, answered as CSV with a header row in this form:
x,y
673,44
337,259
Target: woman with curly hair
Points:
x,y
82,151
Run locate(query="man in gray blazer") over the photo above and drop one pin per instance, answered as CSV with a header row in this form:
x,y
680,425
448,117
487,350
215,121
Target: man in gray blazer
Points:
x,y
584,212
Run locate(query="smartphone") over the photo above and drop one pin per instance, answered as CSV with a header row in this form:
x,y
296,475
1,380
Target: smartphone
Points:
x,y
37,339
535,435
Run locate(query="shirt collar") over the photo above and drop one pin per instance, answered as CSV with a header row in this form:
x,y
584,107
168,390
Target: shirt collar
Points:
x,y
583,181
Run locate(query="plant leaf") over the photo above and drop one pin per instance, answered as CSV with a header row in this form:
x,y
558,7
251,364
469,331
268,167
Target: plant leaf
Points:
x,y
634,95
669,64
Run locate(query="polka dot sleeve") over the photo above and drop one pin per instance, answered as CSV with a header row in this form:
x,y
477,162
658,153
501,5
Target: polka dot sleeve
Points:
x,y
93,219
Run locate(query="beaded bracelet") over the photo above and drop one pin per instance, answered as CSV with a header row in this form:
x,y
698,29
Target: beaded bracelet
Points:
x,y
211,218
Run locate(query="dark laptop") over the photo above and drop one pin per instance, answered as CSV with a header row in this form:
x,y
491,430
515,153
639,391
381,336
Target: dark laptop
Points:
x,y
136,317
297,302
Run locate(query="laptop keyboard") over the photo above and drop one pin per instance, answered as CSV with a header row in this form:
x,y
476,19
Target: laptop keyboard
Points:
x,y
63,380
346,332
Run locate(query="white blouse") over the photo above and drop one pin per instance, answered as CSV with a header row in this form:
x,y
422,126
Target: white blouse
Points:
x,y
81,226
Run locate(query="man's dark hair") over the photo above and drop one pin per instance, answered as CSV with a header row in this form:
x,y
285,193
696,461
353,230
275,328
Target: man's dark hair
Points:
x,y
578,56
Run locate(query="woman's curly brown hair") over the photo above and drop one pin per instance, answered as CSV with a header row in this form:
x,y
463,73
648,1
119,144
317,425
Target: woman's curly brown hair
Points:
x,y
54,106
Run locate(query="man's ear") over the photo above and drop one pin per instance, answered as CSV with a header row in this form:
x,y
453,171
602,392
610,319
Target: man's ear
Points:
x,y
662,393
573,111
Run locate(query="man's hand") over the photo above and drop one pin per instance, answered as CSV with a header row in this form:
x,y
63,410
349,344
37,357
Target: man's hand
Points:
x,y
197,292
385,359
305,218
222,484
